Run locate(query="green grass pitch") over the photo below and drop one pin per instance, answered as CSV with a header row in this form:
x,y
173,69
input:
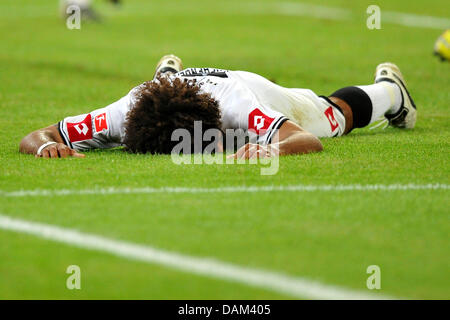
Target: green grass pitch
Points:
x,y
48,72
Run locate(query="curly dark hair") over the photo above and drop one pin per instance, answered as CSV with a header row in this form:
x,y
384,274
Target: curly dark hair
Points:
x,y
163,106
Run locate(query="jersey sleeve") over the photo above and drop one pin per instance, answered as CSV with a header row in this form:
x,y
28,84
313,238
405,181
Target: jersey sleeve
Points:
x,y
102,128
263,123
242,110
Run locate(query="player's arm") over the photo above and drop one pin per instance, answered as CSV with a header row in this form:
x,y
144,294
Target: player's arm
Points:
x,y
289,139
101,128
47,143
295,140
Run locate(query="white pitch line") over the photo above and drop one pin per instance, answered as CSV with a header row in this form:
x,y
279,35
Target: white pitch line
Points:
x,y
313,10
230,189
414,20
335,13
277,282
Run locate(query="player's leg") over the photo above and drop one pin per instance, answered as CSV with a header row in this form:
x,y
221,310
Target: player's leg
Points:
x,y
168,64
388,97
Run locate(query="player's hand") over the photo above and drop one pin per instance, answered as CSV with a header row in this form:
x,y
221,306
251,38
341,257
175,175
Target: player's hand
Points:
x,y
255,151
59,150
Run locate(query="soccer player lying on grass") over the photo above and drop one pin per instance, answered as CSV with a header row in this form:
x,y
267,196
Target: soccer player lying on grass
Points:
x,y
144,120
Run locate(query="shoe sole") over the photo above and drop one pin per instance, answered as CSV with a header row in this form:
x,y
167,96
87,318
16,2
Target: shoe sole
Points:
x,y
395,75
176,64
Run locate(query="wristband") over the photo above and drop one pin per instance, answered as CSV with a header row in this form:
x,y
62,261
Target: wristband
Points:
x,y
43,146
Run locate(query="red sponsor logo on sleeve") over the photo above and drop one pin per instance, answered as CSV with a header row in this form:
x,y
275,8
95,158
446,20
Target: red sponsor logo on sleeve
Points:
x,y
80,131
330,116
100,122
258,122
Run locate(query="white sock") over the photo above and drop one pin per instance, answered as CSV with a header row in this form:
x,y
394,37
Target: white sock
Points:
x,y
386,98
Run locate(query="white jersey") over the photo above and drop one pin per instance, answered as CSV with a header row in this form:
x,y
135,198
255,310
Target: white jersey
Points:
x,y
247,101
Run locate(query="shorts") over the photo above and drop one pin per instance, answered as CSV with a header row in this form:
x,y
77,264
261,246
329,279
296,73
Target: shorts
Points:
x,y
314,114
